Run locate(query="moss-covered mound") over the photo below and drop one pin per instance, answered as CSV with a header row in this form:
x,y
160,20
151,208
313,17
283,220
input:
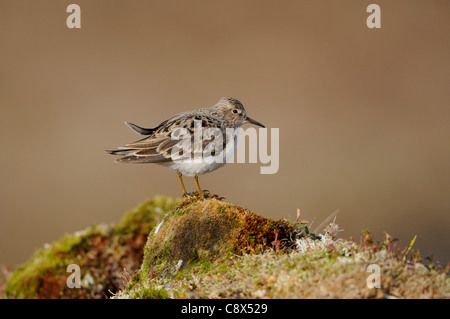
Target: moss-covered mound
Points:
x,y
203,233
106,255
207,248
184,258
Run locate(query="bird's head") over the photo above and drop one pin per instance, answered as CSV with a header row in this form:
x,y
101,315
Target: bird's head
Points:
x,y
234,112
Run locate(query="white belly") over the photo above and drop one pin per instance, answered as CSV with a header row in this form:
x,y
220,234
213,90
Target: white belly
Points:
x,y
189,169
199,166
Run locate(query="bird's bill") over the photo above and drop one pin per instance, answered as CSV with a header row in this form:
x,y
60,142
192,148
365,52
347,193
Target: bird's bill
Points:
x,y
249,120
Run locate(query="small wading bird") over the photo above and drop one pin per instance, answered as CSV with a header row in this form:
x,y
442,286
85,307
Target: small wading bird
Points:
x,y
160,142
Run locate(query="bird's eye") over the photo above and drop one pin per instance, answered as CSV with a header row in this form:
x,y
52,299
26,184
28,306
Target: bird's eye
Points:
x,y
235,111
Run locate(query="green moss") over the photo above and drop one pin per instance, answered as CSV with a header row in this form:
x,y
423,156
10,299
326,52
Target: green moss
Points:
x,y
149,293
70,242
222,268
211,249
202,234
206,248
146,216
189,233
98,250
25,281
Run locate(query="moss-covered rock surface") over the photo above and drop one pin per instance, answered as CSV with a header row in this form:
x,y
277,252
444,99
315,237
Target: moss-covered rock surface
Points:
x,y
105,255
212,249
208,248
201,235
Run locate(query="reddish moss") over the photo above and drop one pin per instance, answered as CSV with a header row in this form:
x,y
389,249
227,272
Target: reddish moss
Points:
x,y
50,286
258,233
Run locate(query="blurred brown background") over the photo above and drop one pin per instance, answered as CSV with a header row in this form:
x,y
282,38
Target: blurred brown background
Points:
x,y
363,114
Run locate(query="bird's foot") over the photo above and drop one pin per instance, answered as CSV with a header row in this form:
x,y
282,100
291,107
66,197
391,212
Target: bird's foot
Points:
x,y
206,194
189,195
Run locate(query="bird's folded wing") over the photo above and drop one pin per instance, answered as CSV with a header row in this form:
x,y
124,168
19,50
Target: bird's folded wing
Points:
x,y
160,146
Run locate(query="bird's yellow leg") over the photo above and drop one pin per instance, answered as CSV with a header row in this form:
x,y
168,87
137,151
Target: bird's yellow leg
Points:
x,y
200,192
180,178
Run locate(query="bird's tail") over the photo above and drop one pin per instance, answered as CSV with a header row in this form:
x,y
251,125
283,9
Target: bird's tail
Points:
x,y
140,130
